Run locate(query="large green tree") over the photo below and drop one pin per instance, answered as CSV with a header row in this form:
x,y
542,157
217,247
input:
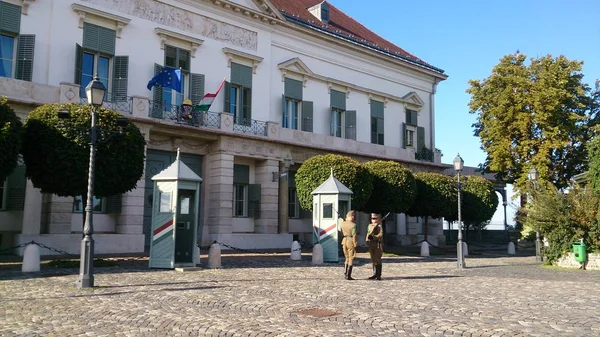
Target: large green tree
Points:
x,y
348,171
10,139
436,198
533,114
394,187
56,151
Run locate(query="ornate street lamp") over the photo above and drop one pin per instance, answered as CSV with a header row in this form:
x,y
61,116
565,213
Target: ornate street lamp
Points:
x,y
95,92
460,258
533,177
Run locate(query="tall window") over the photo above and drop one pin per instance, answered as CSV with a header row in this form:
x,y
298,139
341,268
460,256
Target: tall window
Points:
x,y
179,59
241,180
238,94
410,136
293,204
92,64
16,50
410,128
98,207
95,56
377,122
291,114
337,122
7,55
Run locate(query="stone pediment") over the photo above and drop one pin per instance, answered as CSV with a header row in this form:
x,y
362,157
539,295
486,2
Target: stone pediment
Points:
x,y
413,99
296,65
263,6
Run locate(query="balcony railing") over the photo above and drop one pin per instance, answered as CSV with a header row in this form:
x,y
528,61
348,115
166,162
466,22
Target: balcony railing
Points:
x,y
425,154
122,104
181,115
247,125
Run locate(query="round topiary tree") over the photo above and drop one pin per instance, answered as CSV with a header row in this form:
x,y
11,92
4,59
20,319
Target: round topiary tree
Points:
x,y
479,200
348,171
10,139
436,197
56,151
394,186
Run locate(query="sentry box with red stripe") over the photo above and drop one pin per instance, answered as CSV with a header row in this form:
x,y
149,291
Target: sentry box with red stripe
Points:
x,y
175,214
331,201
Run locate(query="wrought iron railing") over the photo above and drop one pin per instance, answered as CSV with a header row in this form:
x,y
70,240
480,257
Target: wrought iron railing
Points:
x,y
122,104
185,115
247,125
424,154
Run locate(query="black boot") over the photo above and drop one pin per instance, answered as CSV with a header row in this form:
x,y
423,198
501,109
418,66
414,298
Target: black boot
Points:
x,y
374,276
378,272
349,274
345,270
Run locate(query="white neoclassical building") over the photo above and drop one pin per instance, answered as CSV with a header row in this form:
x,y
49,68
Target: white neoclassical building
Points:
x,y
302,78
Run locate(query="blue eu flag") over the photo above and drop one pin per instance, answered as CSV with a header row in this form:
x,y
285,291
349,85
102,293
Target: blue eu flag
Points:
x,y
166,78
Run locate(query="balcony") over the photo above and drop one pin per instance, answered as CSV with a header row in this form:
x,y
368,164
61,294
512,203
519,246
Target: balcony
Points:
x,y
177,114
122,104
250,126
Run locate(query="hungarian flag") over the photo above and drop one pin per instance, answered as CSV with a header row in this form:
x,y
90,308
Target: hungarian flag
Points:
x,y
208,99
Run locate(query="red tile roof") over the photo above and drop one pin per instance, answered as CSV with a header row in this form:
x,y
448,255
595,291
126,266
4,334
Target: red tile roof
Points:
x,y
344,26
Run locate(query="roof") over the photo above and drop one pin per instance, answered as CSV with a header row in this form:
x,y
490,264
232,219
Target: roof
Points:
x,y
177,171
345,27
332,186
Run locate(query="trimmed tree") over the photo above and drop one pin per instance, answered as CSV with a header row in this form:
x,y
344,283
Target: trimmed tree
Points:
x,y
56,152
10,139
479,200
348,171
436,198
394,186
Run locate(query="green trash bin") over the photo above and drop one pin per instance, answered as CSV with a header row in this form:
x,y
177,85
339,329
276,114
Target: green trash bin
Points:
x,y
579,250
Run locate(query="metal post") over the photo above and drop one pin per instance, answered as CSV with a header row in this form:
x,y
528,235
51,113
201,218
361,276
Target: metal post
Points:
x,y
538,247
86,266
460,258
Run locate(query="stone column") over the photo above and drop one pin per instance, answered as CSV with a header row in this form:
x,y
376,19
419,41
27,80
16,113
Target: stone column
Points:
x,y
219,184
131,219
32,215
61,212
268,222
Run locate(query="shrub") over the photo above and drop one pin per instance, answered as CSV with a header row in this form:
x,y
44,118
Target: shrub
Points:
x,y
10,139
394,187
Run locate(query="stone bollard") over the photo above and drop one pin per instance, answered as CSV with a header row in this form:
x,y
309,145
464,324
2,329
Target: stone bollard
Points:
x,y
511,248
465,249
424,248
296,254
196,255
214,256
31,259
317,254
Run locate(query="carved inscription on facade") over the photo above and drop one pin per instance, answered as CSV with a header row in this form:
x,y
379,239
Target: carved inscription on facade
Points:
x,y
178,18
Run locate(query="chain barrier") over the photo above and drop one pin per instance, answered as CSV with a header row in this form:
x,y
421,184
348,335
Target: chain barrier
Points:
x,y
303,245
8,251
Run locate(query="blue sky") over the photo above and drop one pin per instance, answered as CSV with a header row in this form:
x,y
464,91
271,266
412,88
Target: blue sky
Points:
x,y
467,38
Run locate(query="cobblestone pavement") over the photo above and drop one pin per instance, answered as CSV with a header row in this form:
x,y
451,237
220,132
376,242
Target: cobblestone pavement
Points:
x,y
271,295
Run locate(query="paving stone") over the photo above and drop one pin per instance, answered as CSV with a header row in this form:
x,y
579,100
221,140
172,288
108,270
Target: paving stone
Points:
x,y
271,295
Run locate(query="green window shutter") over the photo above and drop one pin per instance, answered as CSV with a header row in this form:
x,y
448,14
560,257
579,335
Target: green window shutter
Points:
x,y
420,138
99,39
184,59
15,184
25,48
337,99
414,117
157,96
241,75
241,174
78,63
196,88
113,204
247,104
351,124
411,117
307,116
403,135
283,116
226,96
119,81
293,89
10,18
254,201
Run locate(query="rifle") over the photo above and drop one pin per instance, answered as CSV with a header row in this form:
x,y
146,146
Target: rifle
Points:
x,y
379,224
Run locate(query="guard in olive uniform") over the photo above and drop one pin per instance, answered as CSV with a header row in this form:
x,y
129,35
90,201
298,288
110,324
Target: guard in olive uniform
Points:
x,y
375,243
349,243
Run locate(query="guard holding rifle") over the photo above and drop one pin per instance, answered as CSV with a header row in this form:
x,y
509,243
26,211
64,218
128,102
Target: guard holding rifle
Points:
x,y
349,243
375,243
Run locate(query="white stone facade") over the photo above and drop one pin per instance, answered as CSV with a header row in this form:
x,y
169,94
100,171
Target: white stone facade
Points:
x,y
218,34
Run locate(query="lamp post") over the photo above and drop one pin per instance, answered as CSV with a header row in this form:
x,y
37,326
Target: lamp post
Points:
x,y
95,92
460,258
533,177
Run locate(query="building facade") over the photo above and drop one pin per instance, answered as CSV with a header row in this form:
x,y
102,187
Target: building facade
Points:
x,y
301,79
